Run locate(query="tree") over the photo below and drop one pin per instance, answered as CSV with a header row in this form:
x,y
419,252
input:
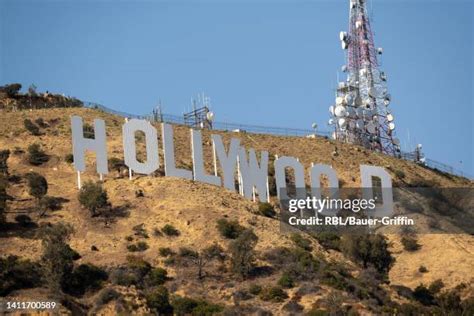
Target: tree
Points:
x,y
158,300
38,186
36,156
93,197
229,229
11,89
4,154
57,260
202,258
368,250
243,253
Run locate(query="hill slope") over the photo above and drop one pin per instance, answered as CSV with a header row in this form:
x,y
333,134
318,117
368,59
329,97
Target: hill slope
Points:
x,y
193,209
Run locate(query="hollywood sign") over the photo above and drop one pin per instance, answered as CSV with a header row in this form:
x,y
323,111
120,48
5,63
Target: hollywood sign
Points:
x,y
252,175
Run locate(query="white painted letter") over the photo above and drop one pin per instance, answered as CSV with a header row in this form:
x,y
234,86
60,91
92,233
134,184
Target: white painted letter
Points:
x,y
316,172
366,174
130,149
253,175
227,161
80,144
198,163
280,176
168,149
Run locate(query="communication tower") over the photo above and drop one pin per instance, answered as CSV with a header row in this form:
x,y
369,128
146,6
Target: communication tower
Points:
x,y
361,114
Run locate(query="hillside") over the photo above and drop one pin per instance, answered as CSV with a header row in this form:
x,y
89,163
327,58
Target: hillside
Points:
x,y
194,208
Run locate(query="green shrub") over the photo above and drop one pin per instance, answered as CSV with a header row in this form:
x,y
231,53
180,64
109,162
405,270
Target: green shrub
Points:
x,y
273,293
69,158
158,301
165,251
243,253
124,277
140,231
286,281
400,174
170,230
31,127
139,246
36,156
105,296
157,276
138,264
368,250
255,289
329,240
84,277
423,295
410,243
229,229
37,185
93,197
189,306
436,286
266,209
301,242
41,123
16,274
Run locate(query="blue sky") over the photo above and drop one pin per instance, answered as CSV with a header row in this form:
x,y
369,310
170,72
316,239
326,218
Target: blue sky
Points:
x,y
261,62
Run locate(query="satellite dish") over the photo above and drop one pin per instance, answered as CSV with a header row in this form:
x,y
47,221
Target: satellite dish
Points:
x,y
210,116
373,92
383,76
390,117
342,36
359,112
363,71
358,24
344,68
342,122
360,124
370,127
358,101
380,50
349,98
396,141
368,102
387,99
339,100
331,109
314,126
344,45
331,121
391,126
419,146
340,111
351,112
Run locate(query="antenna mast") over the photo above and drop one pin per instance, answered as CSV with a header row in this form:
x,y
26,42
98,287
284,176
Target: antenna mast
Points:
x,y
361,115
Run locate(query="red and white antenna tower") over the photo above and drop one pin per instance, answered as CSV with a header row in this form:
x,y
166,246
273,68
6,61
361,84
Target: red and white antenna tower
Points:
x,y
361,114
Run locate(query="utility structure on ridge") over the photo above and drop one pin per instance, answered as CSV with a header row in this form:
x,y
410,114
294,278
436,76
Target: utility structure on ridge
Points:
x,y
361,114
